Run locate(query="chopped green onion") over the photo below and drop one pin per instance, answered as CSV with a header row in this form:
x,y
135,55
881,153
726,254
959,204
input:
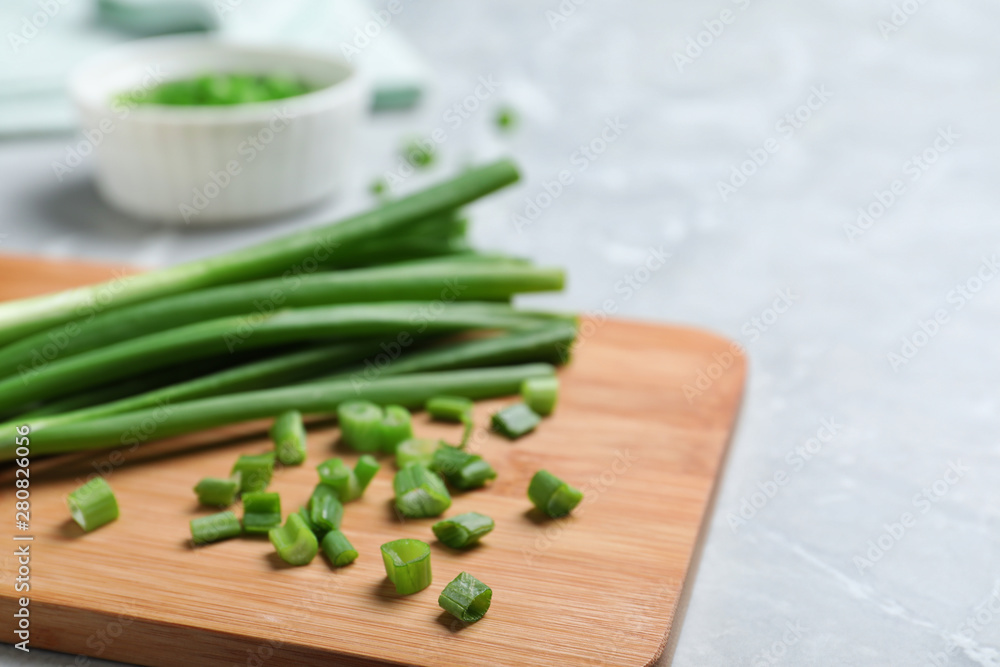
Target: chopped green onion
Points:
x,y
364,471
515,420
218,492
466,598
255,471
261,511
338,549
325,509
335,474
93,504
420,493
462,470
397,426
304,513
294,542
215,527
416,450
289,436
408,565
360,425
552,495
540,394
450,409
463,530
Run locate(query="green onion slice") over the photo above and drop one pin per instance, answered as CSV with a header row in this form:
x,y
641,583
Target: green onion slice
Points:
x,y
420,493
93,504
360,425
325,509
416,450
463,530
462,470
466,598
215,527
218,492
540,394
294,542
255,471
335,474
450,409
515,420
397,426
364,471
261,511
289,436
553,496
338,549
408,565
307,517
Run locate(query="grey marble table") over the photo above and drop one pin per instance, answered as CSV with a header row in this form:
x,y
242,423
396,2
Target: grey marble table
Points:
x,y
824,178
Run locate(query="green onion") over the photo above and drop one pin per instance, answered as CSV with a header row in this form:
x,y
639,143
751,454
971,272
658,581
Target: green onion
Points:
x,y
339,477
365,470
304,513
396,426
408,565
463,530
212,338
276,371
215,527
255,471
416,450
466,598
93,504
274,257
515,420
540,394
338,549
420,493
289,436
294,542
450,408
325,509
319,398
553,496
261,511
462,470
218,492
360,425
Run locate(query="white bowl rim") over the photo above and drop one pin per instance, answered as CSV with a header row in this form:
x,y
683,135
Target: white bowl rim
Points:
x,y
332,95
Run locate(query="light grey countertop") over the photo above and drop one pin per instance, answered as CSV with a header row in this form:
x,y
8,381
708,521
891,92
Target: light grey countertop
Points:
x,y
840,443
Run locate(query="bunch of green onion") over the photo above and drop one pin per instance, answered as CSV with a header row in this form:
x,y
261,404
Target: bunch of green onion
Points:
x,y
390,305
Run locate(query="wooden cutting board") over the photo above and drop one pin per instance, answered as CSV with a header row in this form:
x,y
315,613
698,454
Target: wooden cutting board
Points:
x,y
603,587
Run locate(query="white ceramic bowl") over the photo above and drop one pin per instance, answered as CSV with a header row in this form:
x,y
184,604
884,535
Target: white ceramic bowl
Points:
x,y
217,164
